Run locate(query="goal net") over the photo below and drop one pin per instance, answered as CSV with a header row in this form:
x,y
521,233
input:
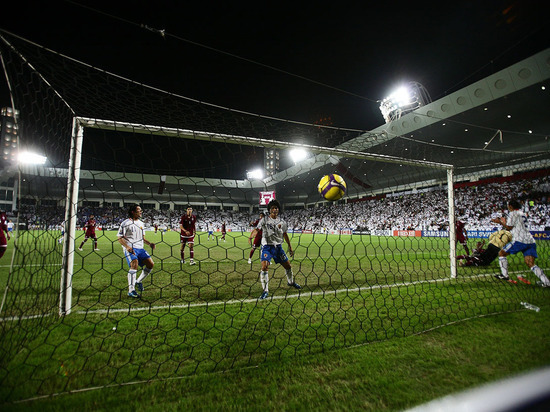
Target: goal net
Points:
x,y
381,262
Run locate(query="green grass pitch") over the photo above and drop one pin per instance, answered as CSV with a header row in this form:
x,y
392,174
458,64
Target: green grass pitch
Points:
x,y
206,317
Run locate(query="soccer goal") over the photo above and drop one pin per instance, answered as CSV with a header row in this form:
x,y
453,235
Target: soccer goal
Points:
x,y
379,263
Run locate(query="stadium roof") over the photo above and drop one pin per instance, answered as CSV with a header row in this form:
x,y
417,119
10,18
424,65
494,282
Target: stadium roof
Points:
x,y
495,126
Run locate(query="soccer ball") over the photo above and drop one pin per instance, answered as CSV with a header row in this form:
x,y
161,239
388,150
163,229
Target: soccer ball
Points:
x,y
332,187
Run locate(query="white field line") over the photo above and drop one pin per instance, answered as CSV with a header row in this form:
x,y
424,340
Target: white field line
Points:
x,y
336,292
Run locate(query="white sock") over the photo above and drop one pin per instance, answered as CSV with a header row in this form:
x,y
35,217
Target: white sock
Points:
x,y
264,279
290,276
503,262
540,274
131,279
144,274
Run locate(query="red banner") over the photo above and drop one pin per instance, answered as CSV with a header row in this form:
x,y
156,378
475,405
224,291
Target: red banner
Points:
x,y
408,233
266,197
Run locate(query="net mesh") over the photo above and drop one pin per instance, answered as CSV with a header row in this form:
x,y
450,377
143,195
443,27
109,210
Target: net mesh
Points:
x,y
372,266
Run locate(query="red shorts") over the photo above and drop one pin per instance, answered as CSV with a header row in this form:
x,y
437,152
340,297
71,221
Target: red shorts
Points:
x,y
187,239
257,241
3,240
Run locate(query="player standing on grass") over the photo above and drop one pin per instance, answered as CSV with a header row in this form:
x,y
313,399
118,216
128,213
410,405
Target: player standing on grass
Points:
x,y
223,231
273,232
256,235
3,228
187,234
131,236
461,236
523,242
89,227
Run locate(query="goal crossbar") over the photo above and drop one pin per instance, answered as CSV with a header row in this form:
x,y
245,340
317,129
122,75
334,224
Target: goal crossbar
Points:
x,y
248,141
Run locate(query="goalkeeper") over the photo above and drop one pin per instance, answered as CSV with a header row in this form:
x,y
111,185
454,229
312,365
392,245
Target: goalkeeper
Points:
x,y
497,241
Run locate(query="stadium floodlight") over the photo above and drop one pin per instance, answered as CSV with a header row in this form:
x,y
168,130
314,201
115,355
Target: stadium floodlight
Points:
x,y
403,100
31,158
255,174
297,155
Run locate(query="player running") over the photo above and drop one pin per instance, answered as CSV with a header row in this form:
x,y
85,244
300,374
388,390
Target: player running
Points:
x,y
523,242
273,232
187,234
256,235
89,227
131,236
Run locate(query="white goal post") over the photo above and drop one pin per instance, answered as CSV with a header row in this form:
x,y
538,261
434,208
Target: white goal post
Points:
x,y
326,154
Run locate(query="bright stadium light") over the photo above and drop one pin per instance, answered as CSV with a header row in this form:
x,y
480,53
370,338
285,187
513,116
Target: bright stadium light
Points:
x,y
403,100
255,174
297,155
31,158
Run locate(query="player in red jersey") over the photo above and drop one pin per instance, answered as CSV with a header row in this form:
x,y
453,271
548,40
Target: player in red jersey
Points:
x,y
187,234
476,253
3,228
461,236
89,227
256,235
223,231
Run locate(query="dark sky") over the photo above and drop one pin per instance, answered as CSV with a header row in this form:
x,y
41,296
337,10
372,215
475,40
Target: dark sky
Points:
x,y
358,52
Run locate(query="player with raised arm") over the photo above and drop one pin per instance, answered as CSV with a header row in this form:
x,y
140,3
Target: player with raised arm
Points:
x,y
274,231
187,234
256,235
89,227
3,228
523,241
131,235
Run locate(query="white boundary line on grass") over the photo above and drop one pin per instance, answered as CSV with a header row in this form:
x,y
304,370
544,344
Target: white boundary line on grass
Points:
x,y
189,305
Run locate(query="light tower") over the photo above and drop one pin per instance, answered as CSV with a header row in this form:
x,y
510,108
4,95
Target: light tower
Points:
x,y
404,100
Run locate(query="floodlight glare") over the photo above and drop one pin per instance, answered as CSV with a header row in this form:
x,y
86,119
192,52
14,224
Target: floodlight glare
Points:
x,y
403,100
297,155
31,158
401,97
255,174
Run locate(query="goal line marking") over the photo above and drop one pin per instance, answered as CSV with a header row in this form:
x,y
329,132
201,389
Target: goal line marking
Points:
x,y
335,292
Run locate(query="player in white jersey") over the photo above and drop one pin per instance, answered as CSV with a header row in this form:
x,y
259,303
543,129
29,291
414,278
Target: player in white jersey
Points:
x,y
273,233
131,236
523,242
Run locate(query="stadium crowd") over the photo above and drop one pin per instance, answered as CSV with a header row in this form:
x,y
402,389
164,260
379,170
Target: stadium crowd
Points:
x,y
414,210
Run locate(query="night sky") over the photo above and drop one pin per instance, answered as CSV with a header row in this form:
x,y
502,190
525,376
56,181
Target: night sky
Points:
x,y
331,61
